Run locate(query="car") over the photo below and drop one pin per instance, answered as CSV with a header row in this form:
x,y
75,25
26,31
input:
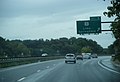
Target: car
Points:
x,y
70,58
94,56
44,55
86,56
79,57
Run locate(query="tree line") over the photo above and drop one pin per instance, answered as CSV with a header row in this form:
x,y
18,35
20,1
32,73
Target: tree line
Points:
x,y
53,47
114,11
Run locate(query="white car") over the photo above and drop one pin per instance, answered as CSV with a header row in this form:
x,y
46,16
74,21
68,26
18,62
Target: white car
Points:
x,y
70,58
44,55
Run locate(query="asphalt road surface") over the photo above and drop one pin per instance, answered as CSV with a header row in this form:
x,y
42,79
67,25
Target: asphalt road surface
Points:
x,y
89,70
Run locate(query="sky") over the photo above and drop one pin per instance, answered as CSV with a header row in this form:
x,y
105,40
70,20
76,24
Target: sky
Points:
x,y
36,19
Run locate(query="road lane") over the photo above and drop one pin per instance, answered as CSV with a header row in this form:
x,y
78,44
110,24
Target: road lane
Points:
x,y
15,73
83,71
58,71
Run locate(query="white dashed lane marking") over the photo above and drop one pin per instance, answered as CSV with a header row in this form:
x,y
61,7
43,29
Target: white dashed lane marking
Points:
x,y
21,79
38,70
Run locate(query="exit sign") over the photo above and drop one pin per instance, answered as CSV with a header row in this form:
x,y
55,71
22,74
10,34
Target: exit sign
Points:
x,y
89,26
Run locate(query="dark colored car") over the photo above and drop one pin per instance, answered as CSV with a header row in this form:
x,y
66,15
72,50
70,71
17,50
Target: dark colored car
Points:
x,y
79,57
94,56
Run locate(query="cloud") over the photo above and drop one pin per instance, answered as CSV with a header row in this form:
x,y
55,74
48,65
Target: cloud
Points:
x,y
34,19
12,8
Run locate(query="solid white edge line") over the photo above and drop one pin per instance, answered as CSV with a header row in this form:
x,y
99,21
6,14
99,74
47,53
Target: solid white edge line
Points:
x,y
107,68
21,79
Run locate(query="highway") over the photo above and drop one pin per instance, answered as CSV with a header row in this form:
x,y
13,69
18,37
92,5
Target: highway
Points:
x,y
88,70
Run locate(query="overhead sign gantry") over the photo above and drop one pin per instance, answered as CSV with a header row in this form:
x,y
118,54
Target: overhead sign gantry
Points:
x,y
92,26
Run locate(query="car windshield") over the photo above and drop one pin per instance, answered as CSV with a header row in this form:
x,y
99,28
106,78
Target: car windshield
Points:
x,y
70,55
59,40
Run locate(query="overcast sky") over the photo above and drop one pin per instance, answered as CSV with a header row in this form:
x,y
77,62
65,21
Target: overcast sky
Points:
x,y
35,19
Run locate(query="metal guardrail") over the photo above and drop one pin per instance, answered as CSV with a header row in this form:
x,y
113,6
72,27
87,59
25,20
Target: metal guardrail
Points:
x,y
7,62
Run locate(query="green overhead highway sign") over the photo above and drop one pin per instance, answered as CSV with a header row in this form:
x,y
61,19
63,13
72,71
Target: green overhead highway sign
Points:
x,y
89,26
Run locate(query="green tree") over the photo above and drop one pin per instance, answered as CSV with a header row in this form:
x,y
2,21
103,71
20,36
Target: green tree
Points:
x,y
86,50
114,11
22,50
61,46
111,49
2,47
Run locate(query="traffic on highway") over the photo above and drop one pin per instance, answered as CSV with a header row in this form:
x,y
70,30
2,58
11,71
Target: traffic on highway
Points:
x,y
87,70
59,40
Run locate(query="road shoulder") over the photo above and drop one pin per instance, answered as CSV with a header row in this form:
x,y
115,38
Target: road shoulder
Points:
x,y
107,64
